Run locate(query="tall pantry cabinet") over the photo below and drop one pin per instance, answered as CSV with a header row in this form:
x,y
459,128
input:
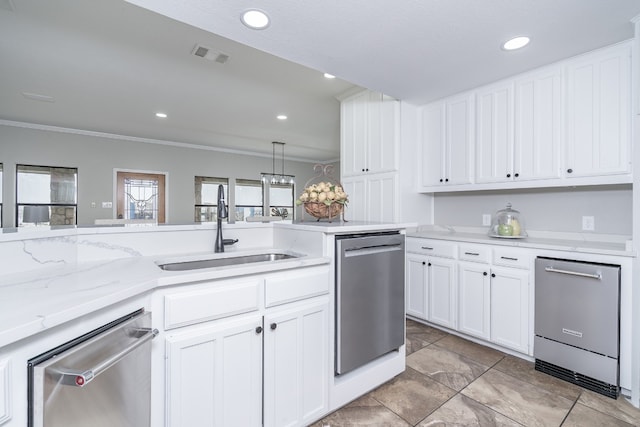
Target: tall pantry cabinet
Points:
x,y
369,147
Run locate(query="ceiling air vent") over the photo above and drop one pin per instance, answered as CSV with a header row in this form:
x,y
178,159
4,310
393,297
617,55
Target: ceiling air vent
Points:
x,y
210,54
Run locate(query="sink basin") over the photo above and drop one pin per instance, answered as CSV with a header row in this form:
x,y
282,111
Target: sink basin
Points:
x,y
223,262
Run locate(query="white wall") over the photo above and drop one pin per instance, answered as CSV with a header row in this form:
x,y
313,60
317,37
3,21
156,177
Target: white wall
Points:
x,y
96,157
414,207
558,209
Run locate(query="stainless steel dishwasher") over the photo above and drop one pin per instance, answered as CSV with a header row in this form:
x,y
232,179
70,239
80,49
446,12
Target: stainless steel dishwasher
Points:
x,y
369,297
577,323
101,379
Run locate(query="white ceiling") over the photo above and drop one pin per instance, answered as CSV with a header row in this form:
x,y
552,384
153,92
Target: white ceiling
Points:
x,y
111,65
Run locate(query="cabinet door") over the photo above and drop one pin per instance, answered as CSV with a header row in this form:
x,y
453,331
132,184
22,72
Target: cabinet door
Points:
x,y
432,139
474,303
416,292
442,300
353,134
538,118
598,113
356,209
383,125
459,139
382,197
214,374
296,365
494,138
510,308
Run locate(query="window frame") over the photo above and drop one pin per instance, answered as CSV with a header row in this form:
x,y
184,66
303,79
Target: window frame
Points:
x,y
201,205
239,182
290,208
18,204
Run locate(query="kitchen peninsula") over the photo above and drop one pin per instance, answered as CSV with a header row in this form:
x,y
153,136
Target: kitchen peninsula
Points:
x,y
59,284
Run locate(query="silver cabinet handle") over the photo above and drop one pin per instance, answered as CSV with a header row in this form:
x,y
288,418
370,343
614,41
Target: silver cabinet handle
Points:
x,y
472,253
80,379
573,273
369,250
427,248
508,258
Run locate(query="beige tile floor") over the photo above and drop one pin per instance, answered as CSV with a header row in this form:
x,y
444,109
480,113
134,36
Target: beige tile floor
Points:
x,y
450,381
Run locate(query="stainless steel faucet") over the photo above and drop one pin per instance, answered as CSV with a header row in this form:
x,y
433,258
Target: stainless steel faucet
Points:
x,y
223,213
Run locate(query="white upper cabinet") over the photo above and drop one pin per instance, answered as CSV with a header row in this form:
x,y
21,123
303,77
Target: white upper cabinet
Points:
x,y
494,133
598,113
538,126
565,124
519,128
446,134
370,132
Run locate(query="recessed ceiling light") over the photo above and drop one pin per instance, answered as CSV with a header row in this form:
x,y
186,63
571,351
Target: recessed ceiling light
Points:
x,y
516,43
255,19
329,76
161,115
281,117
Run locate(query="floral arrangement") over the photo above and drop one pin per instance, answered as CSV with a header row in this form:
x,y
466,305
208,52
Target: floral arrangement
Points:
x,y
323,192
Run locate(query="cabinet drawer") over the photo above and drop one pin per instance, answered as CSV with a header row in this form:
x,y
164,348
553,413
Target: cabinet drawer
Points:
x,y
476,253
295,285
211,301
431,247
510,257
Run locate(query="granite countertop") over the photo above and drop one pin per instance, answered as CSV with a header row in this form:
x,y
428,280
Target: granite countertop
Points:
x,y
574,242
33,302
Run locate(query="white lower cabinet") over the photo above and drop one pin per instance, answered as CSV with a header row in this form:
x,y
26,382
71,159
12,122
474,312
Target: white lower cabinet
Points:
x,y
494,304
214,374
416,285
268,366
431,289
474,299
442,292
5,391
510,308
296,371
479,290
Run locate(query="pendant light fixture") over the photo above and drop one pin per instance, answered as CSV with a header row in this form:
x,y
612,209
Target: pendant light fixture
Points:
x,y
273,177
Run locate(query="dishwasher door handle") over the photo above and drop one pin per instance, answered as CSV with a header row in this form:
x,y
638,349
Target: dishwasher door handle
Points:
x,y
374,249
573,273
78,378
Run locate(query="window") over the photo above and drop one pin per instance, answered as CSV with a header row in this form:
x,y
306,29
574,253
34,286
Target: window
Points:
x,y
206,209
281,200
248,198
141,196
46,195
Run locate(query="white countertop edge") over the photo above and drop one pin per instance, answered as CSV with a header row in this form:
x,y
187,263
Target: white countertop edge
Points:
x,y
152,279
28,233
614,245
340,227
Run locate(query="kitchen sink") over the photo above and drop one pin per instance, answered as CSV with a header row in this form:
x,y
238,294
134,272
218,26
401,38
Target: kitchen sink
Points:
x,y
224,262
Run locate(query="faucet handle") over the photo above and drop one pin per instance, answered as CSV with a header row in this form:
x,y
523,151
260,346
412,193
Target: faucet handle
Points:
x,y
229,241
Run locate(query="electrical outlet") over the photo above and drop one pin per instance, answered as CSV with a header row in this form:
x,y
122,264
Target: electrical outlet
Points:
x,y
588,223
107,205
93,204
486,219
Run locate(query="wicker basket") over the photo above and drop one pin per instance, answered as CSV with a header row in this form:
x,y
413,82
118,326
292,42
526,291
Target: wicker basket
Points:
x,y
320,210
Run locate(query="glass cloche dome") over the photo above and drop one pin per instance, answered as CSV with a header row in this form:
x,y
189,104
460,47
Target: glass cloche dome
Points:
x,y
507,223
